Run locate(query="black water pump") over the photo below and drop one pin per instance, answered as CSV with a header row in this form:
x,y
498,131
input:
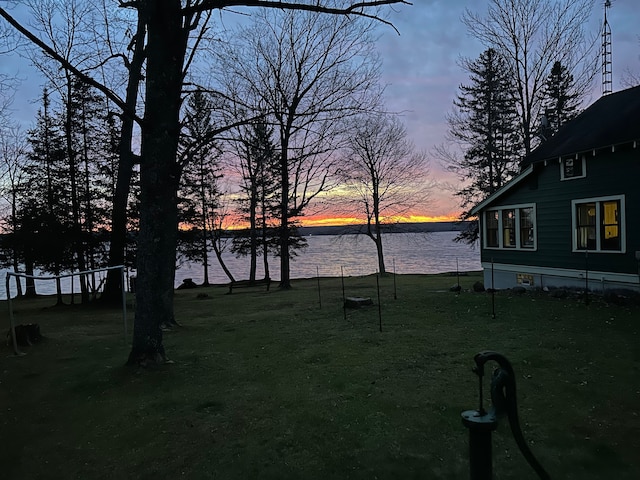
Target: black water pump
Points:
x,y
481,422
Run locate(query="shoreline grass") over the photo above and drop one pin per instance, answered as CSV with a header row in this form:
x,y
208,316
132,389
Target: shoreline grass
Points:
x,y
269,385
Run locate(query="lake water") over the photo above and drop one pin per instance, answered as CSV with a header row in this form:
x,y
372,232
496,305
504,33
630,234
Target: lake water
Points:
x,y
356,255
327,255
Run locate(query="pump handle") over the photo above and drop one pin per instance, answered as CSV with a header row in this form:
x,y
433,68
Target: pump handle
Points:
x,y
504,401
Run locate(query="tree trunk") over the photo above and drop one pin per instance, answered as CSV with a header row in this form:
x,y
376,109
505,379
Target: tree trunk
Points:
x,y
285,274
203,206
30,283
16,269
377,235
14,227
253,233
59,299
205,257
118,241
159,178
118,238
381,268
78,245
223,265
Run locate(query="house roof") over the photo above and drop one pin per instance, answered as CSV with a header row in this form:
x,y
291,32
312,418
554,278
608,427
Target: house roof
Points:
x,y
613,119
508,186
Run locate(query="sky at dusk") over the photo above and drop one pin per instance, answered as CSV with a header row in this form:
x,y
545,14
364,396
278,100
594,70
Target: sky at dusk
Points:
x,y
421,71
423,76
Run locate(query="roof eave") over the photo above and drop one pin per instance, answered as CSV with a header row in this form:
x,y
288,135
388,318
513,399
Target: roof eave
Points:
x,y
498,193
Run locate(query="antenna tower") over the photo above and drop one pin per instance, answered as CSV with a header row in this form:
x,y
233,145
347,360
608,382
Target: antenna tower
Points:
x,y
607,83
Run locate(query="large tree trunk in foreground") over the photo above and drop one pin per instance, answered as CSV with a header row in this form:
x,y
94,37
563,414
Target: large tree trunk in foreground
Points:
x,y
159,177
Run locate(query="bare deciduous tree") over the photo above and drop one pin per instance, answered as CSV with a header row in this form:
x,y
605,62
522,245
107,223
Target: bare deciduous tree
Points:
x,y
631,76
168,25
531,35
384,174
13,155
8,83
309,73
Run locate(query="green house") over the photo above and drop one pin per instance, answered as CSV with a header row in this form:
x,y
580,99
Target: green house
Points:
x,y
571,218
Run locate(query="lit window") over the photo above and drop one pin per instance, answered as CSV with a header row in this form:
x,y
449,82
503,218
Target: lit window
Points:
x,y
599,225
508,228
512,227
586,224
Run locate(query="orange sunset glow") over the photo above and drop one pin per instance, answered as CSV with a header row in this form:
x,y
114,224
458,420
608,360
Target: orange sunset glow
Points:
x,y
328,220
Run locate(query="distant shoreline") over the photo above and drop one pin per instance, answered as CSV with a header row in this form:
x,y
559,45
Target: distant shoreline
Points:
x,y
423,227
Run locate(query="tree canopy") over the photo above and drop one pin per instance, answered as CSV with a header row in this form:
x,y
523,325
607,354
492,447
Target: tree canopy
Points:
x,y
166,29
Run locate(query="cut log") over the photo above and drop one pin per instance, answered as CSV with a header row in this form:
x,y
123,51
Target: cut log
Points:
x,y
357,302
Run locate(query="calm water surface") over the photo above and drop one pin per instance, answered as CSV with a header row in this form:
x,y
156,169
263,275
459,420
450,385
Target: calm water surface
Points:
x,y
356,255
328,255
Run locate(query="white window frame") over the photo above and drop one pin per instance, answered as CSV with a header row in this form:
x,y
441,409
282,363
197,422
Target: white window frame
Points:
x,y
597,201
517,246
582,159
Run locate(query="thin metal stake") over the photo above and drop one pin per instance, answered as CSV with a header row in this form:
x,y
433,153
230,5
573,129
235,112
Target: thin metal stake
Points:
x,y
344,299
319,296
124,304
493,293
395,290
379,305
12,324
586,277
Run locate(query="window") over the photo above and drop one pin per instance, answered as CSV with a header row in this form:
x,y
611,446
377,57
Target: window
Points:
x,y
599,224
586,224
526,227
491,229
510,227
571,168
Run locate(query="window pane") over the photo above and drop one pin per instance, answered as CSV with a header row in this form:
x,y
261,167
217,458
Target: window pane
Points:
x,y
586,226
491,220
610,236
572,168
526,227
509,228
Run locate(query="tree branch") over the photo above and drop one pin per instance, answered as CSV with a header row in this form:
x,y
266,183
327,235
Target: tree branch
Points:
x,y
354,9
67,65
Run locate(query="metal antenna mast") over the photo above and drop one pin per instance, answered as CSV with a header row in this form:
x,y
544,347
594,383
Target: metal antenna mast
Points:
x,y
607,82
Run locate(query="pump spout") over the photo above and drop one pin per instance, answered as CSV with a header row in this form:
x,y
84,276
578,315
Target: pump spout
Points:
x,y
481,423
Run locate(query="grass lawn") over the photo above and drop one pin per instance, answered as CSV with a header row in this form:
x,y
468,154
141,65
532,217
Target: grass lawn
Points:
x,y
273,385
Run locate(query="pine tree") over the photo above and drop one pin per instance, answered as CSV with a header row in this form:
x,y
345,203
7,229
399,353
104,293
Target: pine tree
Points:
x,y
198,194
259,164
105,186
561,101
485,124
90,133
44,229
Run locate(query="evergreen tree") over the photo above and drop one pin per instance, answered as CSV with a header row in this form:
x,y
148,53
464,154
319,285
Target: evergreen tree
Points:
x,y
106,185
259,163
484,123
561,100
199,192
90,142
531,35
44,228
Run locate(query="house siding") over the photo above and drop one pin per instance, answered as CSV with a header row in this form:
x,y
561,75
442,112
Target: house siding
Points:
x,y
607,174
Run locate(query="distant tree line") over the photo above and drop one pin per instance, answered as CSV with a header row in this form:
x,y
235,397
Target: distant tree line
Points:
x,y
262,137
